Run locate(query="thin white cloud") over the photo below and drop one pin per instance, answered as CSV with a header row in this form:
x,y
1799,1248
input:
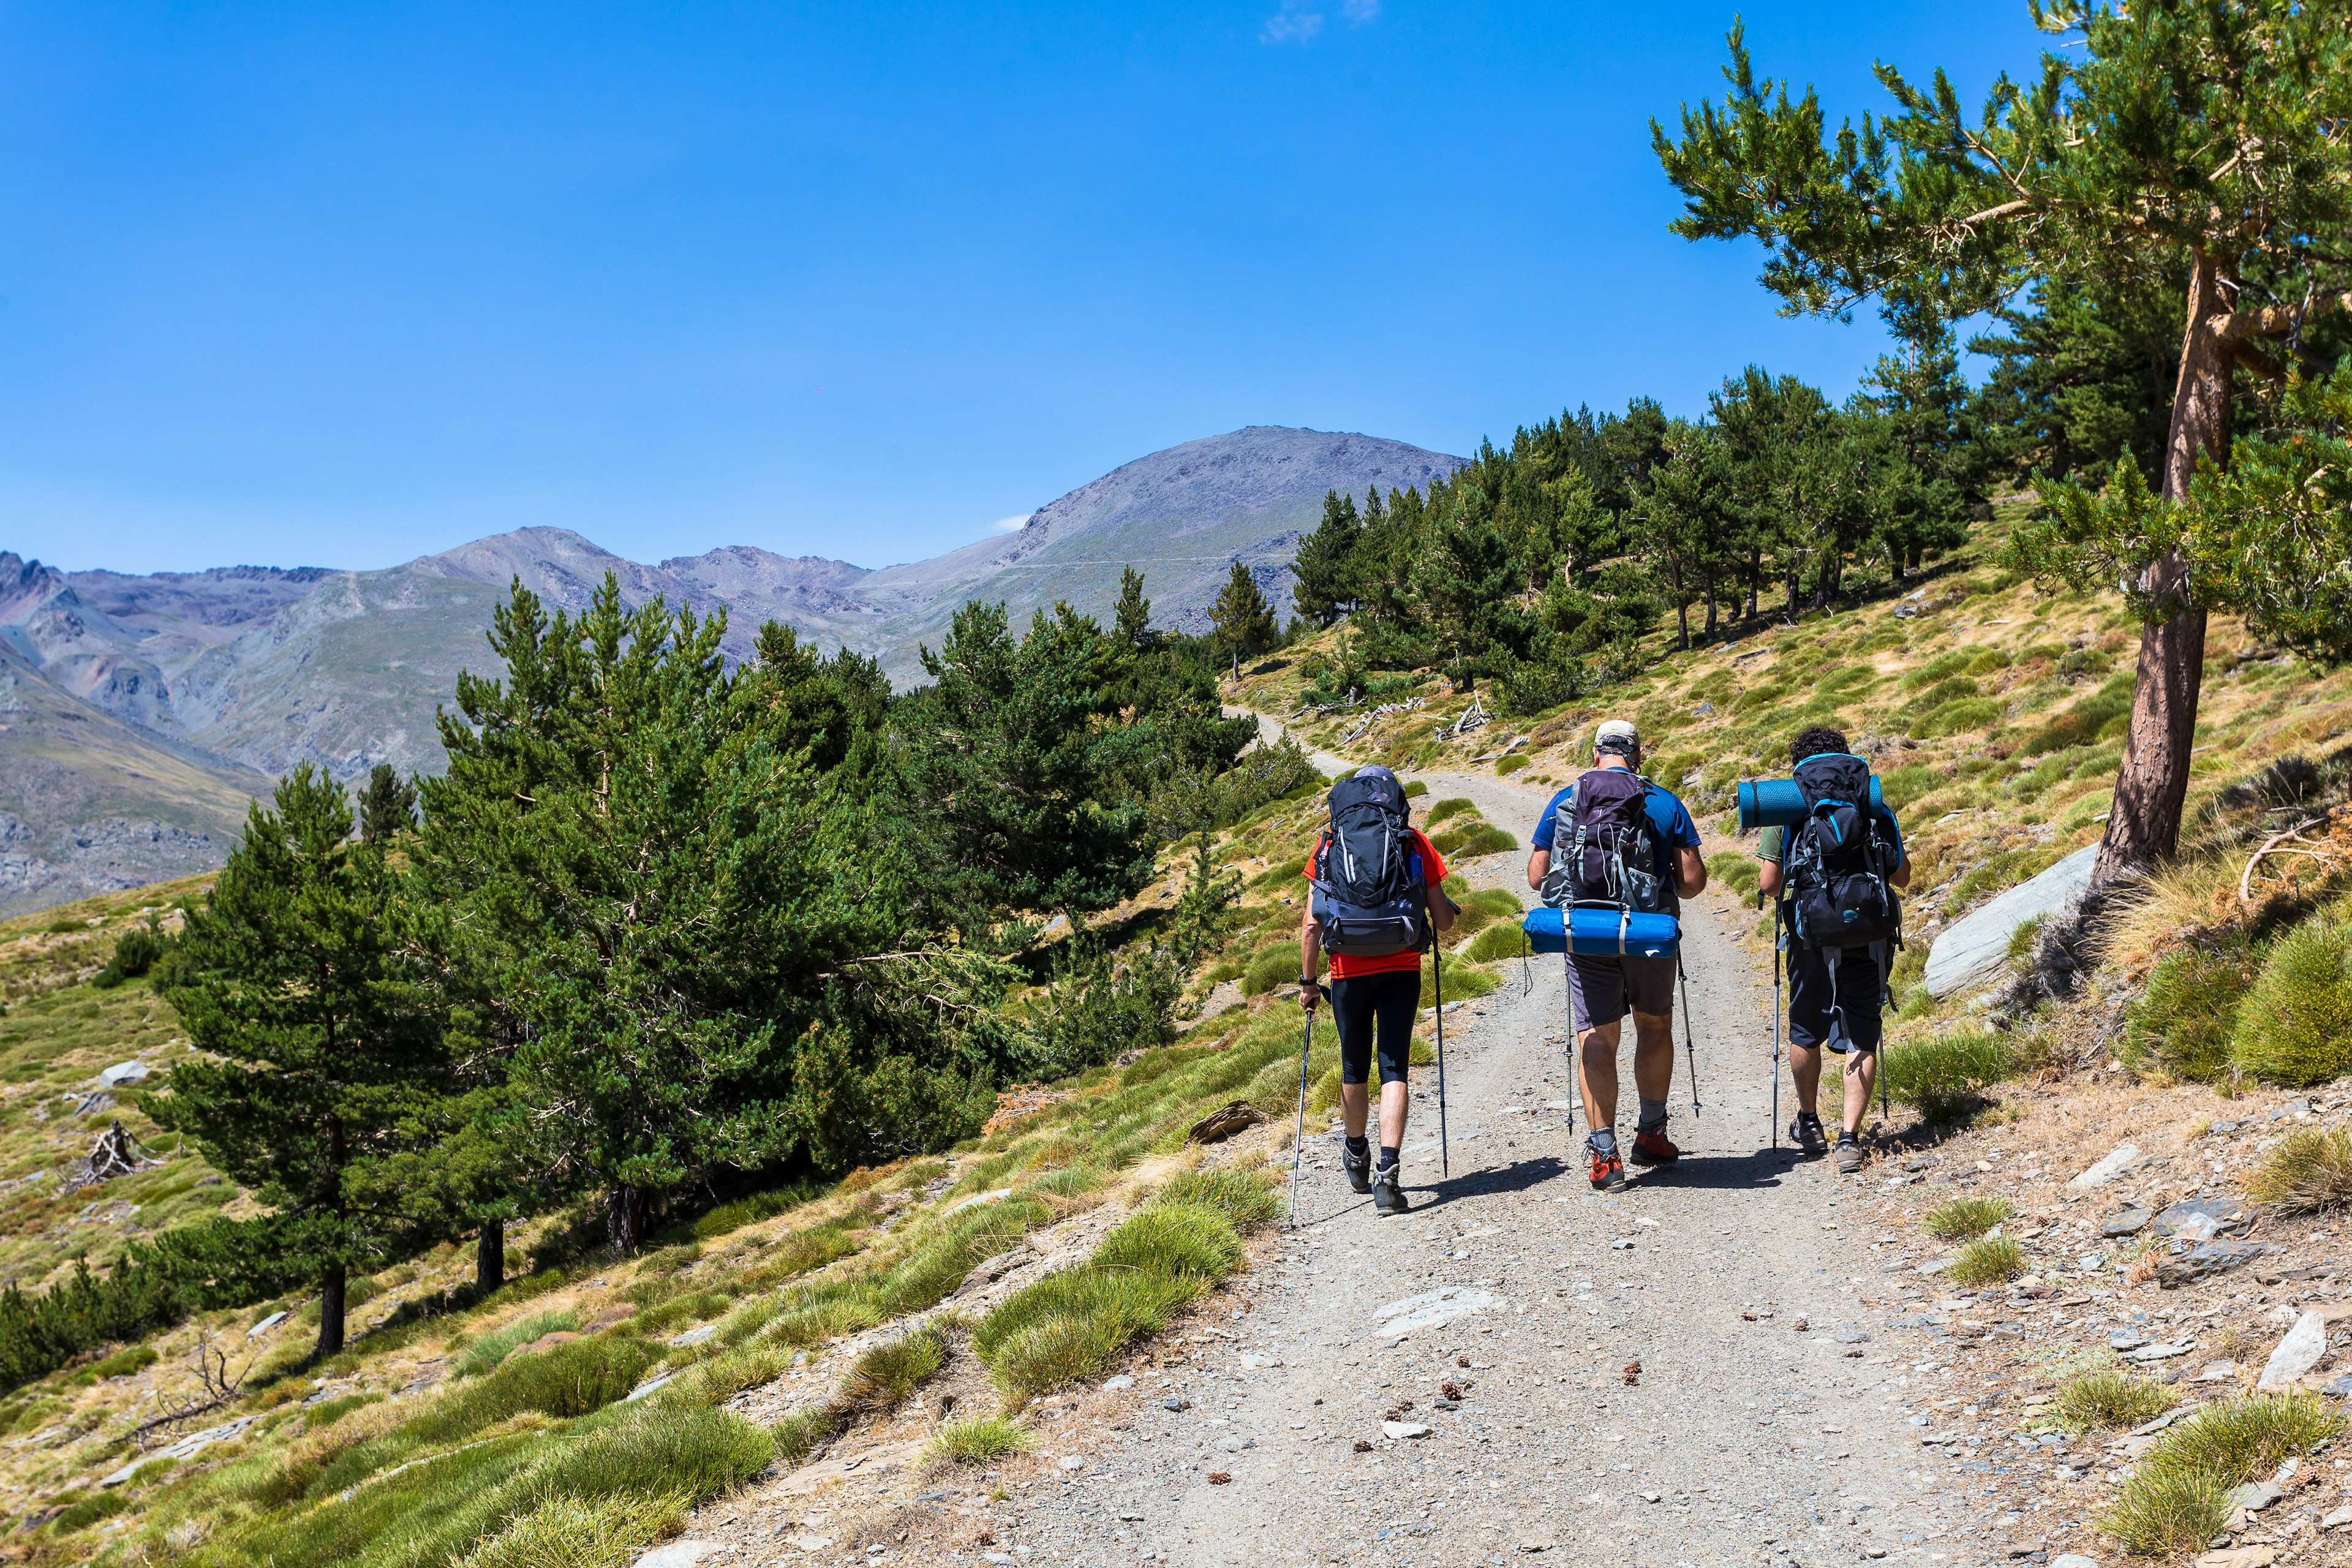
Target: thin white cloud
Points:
x,y
1010,524
1295,23
1360,12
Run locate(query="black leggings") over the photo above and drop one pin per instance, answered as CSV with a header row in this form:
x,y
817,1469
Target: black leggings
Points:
x,y
1388,999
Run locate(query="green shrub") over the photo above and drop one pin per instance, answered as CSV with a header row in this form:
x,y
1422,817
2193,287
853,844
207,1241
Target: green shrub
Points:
x,y
2295,1027
2166,1514
1172,1239
2309,1172
2239,1440
564,1531
981,1440
137,951
482,1357
1464,982
2106,1399
1943,666
1451,806
1271,968
882,1377
1504,767
1416,788
2182,1023
563,1381
1958,717
1735,869
1472,839
1497,942
1965,1219
1246,1200
1988,1260
123,1363
1073,1325
804,1432
689,1450
1942,1079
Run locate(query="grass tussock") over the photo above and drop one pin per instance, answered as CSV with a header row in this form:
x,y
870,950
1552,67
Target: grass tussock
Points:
x,y
563,1532
1243,1197
1173,1238
882,1378
802,1433
2168,1514
1944,1079
1965,1219
2181,1025
1472,839
980,1440
2309,1172
483,1355
1451,806
1988,1260
2295,1027
1497,942
2106,1399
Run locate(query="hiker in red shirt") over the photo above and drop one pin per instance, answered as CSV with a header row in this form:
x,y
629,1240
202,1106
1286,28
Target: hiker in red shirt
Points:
x,y
1376,880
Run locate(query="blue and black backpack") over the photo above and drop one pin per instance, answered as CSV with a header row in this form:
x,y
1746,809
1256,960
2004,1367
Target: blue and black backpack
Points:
x,y
1836,860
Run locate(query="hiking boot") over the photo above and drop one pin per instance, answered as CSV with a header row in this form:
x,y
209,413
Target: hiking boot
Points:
x,y
1651,1148
1849,1155
1806,1133
1608,1171
1358,1166
1388,1190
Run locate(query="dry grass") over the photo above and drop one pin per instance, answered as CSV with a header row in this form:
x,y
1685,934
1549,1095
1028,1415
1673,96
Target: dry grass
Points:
x,y
1988,1260
2106,1399
1965,1219
2309,1172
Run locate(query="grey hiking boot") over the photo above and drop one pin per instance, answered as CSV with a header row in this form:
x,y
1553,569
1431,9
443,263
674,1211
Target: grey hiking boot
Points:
x,y
1848,1155
1806,1133
1358,1166
1388,1190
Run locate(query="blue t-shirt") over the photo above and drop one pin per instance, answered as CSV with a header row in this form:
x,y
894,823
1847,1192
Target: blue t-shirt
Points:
x,y
1671,828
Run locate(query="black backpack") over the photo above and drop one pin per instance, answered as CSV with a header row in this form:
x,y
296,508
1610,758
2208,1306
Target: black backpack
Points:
x,y
1371,895
1603,851
1836,860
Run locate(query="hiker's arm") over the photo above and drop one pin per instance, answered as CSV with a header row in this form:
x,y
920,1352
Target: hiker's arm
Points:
x,y
1690,872
1768,875
1539,868
1901,875
1442,909
1310,953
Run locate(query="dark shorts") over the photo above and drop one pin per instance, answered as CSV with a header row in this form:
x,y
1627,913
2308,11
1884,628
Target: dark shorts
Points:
x,y
1834,997
1602,988
1370,1005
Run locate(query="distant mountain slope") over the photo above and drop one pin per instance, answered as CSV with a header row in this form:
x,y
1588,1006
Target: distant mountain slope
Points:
x,y
89,803
167,698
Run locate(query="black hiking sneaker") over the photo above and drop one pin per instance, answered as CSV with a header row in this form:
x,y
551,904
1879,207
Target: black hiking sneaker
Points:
x,y
1849,1155
1806,1133
1358,1166
1388,1190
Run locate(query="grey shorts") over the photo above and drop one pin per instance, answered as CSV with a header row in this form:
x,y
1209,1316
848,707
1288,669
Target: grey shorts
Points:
x,y
1600,988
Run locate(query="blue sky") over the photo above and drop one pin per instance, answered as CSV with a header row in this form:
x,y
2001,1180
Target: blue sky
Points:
x,y
342,285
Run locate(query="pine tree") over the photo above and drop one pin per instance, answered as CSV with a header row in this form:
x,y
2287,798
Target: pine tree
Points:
x,y
387,806
1243,620
1131,619
1329,580
2203,139
316,1036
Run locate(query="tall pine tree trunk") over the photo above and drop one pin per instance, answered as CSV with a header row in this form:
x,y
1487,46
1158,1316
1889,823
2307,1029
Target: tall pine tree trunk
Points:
x,y
2144,824
624,1219
490,1256
330,1312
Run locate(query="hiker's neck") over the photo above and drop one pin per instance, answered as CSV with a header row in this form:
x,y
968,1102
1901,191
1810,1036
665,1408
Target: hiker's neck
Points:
x,y
1613,759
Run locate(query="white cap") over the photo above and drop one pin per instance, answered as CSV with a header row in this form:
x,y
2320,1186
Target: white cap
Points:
x,y
1616,734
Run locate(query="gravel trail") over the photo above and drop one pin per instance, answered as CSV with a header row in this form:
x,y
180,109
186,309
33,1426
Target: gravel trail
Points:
x,y
1778,1439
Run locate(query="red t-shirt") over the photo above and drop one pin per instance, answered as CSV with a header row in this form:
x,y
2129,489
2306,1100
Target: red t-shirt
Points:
x,y
1432,866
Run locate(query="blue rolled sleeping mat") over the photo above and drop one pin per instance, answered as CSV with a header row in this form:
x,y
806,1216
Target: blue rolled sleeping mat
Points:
x,y
1602,931
1778,803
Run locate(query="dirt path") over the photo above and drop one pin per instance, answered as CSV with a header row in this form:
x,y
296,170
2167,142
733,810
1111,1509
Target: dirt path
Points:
x,y
1783,1439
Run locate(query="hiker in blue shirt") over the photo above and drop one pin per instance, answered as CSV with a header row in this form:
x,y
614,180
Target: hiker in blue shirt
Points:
x,y
1835,994
1602,988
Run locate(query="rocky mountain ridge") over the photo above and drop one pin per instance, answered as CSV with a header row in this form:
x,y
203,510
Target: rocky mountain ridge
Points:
x,y
204,685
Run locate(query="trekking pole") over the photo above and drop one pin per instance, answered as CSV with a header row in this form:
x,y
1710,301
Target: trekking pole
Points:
x,y
1444,1155
1776,1023
1298,1144
1690,1047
